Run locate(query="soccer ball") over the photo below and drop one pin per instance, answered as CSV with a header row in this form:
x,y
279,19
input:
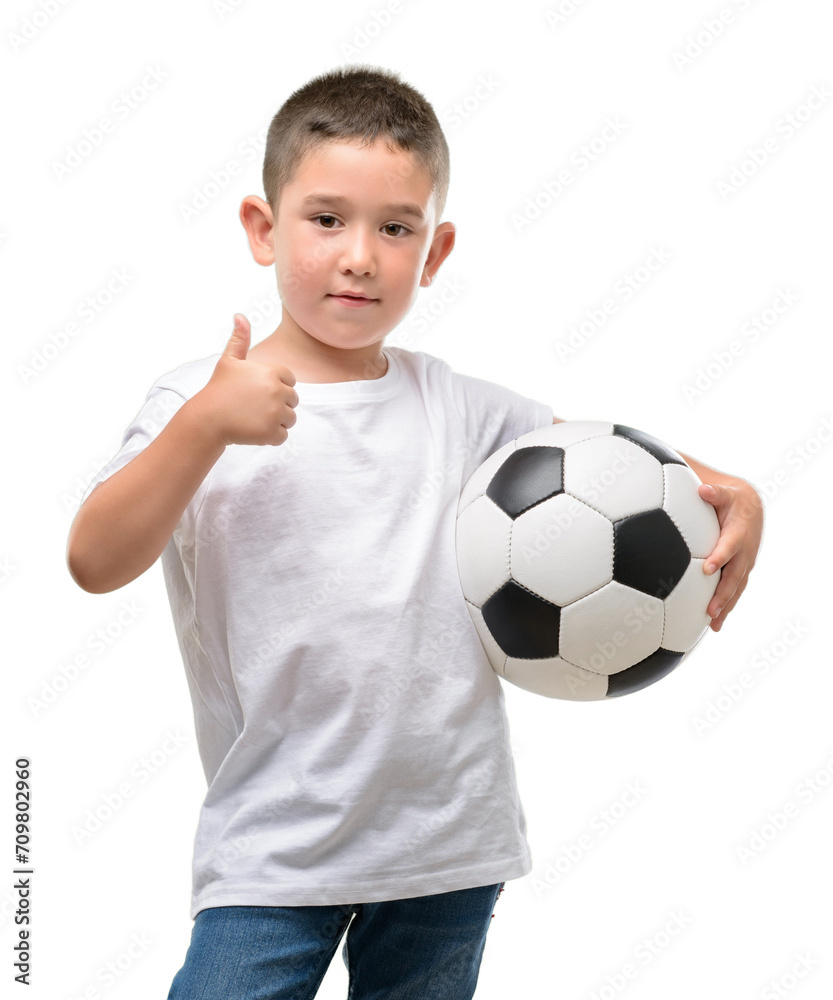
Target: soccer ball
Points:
x,y
580,549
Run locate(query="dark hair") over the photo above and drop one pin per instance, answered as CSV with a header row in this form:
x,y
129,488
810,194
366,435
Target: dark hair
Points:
x,y
357,103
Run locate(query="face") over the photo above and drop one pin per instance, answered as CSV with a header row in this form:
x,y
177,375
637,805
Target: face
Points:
x,y
361,220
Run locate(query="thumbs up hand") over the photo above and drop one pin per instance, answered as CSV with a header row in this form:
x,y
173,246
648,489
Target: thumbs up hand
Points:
x,y
247,402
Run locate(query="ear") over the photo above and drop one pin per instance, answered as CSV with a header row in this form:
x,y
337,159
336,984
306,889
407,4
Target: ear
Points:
x,y
256,216
441,246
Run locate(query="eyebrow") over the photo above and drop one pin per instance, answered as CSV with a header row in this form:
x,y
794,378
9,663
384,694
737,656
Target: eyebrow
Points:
x,y
403,208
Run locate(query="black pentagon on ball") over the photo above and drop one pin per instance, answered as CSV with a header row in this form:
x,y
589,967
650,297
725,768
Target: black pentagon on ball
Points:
x,y
640,675
522,623
527,477
649,553
661,452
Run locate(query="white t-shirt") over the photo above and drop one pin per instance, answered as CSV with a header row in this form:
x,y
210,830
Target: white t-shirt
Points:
x,y
352,731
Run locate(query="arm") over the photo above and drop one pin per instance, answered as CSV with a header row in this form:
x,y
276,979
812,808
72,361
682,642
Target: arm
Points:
x,y
125,523
740,511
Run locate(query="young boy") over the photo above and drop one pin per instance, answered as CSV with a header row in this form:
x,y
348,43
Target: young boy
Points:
x,y
351,730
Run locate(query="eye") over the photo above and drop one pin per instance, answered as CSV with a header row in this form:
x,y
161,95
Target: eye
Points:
x,y
326,217
396,225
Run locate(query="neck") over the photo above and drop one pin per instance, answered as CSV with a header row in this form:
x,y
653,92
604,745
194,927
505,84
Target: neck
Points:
x,y
310,360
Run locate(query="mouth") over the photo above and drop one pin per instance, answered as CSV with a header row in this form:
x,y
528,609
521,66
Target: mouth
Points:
x,y
352,299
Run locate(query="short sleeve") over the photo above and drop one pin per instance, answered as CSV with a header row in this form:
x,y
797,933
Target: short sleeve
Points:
x,y
492,415
159,406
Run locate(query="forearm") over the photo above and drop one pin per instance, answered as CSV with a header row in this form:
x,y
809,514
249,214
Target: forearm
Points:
x,y
125,523
708,475
705,473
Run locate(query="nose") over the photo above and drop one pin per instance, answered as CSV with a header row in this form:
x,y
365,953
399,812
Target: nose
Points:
x,y
357,253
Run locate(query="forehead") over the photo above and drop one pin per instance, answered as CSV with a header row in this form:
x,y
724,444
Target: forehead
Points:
x,y
379,171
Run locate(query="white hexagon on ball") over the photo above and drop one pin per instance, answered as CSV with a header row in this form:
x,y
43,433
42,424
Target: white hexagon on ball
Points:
x,y
612,629
555,678
567,433
614,476
695,517
482,541
562,550
685,608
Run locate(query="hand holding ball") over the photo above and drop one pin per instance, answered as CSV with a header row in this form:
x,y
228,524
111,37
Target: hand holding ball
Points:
x,y
580,549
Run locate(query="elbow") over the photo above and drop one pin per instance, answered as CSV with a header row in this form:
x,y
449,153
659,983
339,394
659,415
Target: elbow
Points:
x,y
80,573
81,567
97,576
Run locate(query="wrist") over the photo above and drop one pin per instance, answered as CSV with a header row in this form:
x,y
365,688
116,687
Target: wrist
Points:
x,y
751,499
203,425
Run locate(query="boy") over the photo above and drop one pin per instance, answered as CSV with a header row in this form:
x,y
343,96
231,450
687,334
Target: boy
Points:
x,y
351,729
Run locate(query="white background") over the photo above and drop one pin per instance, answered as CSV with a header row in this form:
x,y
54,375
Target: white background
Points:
x,y
532,90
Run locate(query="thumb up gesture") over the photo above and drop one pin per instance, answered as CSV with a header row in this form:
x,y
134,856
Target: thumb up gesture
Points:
x,y
247,402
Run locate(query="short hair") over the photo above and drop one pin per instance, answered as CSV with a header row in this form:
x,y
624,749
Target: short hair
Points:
x,y
357,103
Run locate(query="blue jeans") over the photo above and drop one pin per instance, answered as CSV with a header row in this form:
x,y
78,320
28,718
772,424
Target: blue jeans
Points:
x,y
425,948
